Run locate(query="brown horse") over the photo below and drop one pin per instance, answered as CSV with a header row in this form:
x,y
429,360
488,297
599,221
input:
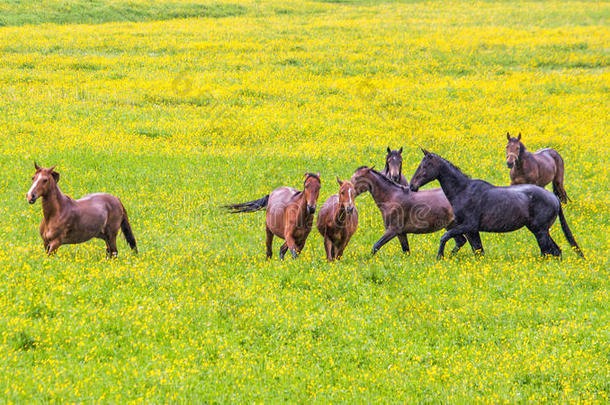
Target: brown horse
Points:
x,y
393,167
338,220
68,221
404,211
539,168
289,214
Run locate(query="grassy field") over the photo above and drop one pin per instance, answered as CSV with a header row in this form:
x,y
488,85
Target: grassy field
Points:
x,y
178,116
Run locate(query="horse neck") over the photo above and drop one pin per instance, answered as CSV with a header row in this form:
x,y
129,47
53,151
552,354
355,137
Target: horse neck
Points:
x,y
53,203
452,181
524,155
302,204
340,214
379,190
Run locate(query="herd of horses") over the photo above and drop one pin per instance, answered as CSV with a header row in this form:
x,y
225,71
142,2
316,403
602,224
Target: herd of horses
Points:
x,y
462,206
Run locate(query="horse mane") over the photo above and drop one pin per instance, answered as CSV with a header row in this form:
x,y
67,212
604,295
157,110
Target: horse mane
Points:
x,y
390,181
522,150
452,165
308,175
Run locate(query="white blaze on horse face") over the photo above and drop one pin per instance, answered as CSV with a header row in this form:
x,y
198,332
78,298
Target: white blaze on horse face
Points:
x,y
513,155
31,190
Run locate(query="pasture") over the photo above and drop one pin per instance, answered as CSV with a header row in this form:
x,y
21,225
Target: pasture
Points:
x,y
180,106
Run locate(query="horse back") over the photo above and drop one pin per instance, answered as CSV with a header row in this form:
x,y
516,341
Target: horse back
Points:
x,y
506,209
98,209
427,211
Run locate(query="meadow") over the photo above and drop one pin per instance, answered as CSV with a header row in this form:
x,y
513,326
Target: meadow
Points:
x,y
180,106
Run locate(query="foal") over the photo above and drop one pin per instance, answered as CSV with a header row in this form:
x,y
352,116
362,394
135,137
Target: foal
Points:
x,y
68,221
289,214
393,167
483,207
338,220
539,168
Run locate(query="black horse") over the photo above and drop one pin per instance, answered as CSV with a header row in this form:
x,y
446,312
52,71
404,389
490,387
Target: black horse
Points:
x,y
480,206
393,167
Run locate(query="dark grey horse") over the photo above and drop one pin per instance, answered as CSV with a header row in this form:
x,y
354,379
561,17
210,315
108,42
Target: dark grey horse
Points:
x,y
480,206
393,167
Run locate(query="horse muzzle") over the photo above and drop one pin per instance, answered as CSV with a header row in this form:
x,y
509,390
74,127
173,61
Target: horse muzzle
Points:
x,y
396,179
510,164
349,210
31,198
413,187
311,209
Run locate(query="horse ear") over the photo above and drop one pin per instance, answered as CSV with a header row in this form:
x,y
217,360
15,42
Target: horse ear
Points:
x,y
339,181
400,150
389,150
519,137
508,136
425,152
54,174
36,166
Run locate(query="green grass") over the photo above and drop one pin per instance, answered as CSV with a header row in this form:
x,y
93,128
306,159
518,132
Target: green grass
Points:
x,y
20,12
178,117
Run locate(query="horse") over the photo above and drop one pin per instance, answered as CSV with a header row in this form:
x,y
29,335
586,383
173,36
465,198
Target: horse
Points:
x,y
482,207
289,214
338,220
393,167
405,212
539,168
68,221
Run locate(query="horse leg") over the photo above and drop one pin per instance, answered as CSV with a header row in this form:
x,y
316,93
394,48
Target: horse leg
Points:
x,y
299,246
328,247
460,241
290,242
283,250
547,244
342,248
111,247
404,242
269,243
53,246
558,189
389,234
451,233
475,243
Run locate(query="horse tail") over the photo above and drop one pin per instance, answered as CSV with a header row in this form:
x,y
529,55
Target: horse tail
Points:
x,y
558,189
249,206
127,232
568,233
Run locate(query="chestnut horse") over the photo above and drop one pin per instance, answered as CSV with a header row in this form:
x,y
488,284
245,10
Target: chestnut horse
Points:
x,y
68,221
289,214
338,220
539,168
404,211
393,167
